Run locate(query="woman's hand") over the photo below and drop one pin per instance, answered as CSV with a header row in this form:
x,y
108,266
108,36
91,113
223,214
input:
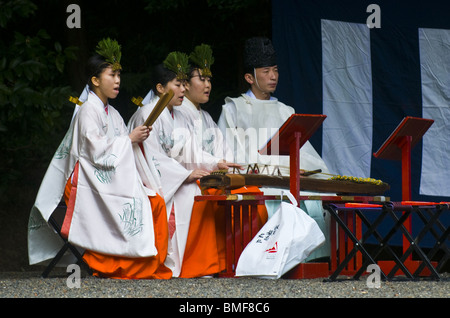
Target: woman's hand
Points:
x,y
139,134
224,165
195,175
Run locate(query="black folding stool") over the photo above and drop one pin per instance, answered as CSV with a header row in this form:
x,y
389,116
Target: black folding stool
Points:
x,y
392,209
56,220
334,210
387,209
440,232
433,225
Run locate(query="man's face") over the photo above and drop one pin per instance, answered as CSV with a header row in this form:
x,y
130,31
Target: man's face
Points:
x,y
267,78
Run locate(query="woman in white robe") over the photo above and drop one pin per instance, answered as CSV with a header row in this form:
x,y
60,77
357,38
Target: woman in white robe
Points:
x,y
205,248
178,159
198,90
109,213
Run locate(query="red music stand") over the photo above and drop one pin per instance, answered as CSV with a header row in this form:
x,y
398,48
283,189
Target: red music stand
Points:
x,y
398,146
288,140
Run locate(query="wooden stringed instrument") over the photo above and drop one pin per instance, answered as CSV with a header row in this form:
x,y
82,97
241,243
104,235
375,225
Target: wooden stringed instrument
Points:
x,y
346,185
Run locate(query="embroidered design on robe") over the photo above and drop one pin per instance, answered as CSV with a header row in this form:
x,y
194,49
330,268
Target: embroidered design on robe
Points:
x,y
36,221
166,141
208,145
105,171
157,164
132,217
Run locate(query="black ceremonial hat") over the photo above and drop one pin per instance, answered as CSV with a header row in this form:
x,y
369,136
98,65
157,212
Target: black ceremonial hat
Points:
x,y
259,52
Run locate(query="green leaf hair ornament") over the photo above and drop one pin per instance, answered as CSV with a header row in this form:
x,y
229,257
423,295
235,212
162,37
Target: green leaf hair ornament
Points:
x,y
110,50
178,63
203,58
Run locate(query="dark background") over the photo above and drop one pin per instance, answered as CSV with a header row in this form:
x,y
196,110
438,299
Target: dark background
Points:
x,y
42,64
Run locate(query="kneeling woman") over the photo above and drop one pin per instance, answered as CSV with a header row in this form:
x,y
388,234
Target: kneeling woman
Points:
x,y
180,161
119,222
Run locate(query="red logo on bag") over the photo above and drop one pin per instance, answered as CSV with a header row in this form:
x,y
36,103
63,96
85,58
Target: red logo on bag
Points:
x,y
274,249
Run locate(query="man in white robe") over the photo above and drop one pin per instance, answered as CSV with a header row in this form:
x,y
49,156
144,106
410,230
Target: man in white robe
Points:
x,y
251,119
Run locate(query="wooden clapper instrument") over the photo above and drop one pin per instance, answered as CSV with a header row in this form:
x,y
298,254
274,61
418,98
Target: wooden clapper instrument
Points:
x,y
159,107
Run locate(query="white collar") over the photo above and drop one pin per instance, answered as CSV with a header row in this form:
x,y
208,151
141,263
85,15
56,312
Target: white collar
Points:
x,y
250,94
95,99
189,104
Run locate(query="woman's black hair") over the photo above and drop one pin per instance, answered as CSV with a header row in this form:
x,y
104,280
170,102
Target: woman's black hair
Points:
x,y
161,75
192,72
95,66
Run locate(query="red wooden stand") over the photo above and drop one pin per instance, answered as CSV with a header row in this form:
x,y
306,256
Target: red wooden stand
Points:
x,y
288,140
398,146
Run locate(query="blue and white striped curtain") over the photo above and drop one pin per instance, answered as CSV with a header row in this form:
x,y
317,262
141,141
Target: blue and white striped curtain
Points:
x,y
366,80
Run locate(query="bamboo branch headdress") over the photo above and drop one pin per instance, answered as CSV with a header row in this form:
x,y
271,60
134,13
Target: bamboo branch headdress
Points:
x,y
178,63
203,58
110,51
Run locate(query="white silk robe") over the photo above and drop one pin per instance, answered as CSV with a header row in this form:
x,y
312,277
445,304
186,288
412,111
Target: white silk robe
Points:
x,y
112,213
175,155
206,132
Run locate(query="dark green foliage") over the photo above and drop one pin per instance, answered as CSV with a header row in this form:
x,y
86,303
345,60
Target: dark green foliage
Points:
x,y
33,93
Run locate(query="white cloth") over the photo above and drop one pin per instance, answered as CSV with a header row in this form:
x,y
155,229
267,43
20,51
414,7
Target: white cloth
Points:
x,y
150,95
347,98
175,155
83,97
435,67
206,132
112,212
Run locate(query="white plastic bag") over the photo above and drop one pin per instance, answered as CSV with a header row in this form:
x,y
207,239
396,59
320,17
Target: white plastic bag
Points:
x,y
286,239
